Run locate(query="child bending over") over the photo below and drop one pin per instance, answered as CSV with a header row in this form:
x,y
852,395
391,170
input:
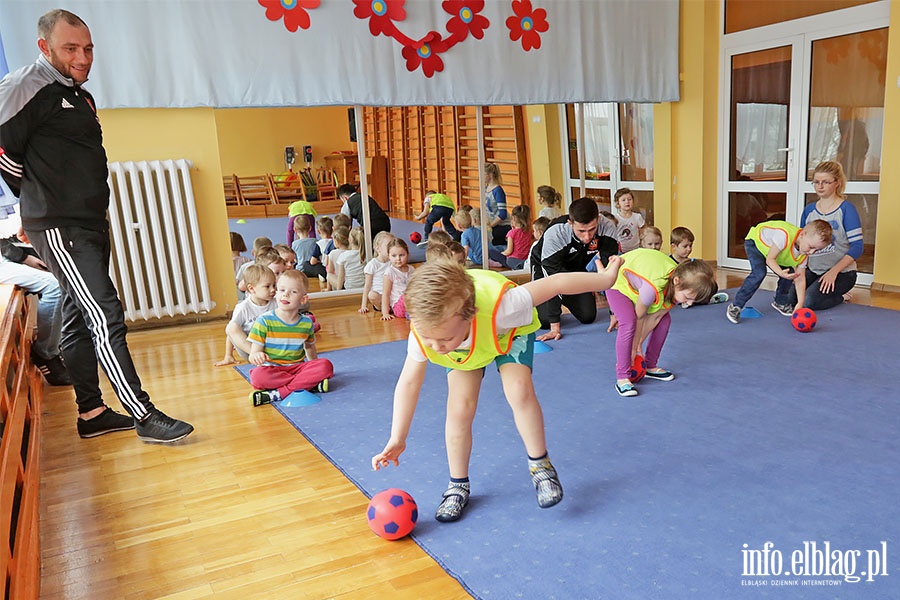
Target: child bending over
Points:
x,y
648,285
283,346
260,281
487,319
783,248
437,207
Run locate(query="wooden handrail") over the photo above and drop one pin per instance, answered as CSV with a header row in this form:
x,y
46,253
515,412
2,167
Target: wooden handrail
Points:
x,y
20,400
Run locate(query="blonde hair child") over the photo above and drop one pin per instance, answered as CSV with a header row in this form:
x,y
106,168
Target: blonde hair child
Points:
x,y
651,237
260,281
374,271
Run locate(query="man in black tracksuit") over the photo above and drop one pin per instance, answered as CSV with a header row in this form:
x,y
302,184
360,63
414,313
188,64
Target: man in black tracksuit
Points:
x,y
570,243
353,208
52,157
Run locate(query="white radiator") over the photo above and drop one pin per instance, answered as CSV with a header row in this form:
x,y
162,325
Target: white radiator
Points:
x,y
157,258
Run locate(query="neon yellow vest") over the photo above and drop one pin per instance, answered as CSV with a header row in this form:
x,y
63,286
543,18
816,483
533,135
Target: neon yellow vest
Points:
x,y
486,344
788,257
301,207
650,265
442,200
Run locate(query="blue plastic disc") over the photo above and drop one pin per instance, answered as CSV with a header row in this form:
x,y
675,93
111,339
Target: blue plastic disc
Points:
x,y
300,398
749,312
541,347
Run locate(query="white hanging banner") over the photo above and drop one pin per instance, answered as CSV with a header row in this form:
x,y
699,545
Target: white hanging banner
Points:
x,y
241,53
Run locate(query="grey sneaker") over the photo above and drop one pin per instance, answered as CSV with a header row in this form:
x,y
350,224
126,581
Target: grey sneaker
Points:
x,y
161,428
719,298
454,500
733,313
546,483
423,243
784,309
106,422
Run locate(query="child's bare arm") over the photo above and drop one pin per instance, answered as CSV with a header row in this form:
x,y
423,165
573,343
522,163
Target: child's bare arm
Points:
x,y
311,352
228,359
364,308
509,247
386,299
800,286
237,337
406,397
258,356
543,289
776,268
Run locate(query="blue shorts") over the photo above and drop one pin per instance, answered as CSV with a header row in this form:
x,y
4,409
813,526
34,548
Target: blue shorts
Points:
x,y
520,353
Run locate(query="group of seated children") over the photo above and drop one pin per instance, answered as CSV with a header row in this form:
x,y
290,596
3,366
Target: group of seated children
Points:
x,y
272,327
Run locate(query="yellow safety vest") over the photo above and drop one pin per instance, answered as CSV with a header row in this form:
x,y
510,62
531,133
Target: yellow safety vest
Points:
x,y
486,344
650,265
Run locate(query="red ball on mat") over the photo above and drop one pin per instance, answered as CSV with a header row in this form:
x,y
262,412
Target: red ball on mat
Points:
x,y
415,237
638,369
392,514
804,320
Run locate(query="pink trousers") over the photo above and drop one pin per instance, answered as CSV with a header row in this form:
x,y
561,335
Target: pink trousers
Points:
x,y
291,378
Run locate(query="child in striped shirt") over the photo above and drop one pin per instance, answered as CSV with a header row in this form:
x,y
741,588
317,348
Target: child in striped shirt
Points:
x,y
284,346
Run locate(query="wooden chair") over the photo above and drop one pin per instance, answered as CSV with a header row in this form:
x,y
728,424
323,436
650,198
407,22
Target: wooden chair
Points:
x,y
326,182
286,192
232,191
255,189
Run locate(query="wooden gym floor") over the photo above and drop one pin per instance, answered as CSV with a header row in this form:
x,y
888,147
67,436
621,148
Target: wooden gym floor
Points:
x,y
245,507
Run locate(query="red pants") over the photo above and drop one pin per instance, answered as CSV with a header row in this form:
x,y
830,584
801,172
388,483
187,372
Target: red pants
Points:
x,y
290,378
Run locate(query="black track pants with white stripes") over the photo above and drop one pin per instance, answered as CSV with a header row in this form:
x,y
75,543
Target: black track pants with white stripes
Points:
x,y
93,320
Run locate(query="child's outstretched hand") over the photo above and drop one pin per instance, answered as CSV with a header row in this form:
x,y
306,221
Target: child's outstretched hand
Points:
x,y
228,360
608,273
363,310
390,454
386,316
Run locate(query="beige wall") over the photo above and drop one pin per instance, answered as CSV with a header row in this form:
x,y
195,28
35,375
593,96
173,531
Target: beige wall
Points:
x,y
887,267
252,140
158,134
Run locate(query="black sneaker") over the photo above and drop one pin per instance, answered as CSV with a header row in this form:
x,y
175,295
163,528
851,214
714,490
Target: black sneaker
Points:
x,y
321,387
160,427
260,397
53,369
106,422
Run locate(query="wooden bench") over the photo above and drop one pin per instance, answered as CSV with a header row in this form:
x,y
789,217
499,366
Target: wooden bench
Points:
x,y
20,414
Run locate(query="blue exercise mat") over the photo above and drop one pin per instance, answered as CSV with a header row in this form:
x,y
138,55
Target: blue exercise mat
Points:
x,y
765,436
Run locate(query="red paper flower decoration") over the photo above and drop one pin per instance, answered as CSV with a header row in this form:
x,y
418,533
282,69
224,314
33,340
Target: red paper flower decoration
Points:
x,y
381,14
426,54
527,23
465,19
293,12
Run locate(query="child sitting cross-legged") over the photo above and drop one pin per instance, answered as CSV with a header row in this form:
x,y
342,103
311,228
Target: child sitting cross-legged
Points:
x,y
260,281
284,346
464,320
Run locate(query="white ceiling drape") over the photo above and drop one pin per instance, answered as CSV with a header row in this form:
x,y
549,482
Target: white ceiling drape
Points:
x,y
242,53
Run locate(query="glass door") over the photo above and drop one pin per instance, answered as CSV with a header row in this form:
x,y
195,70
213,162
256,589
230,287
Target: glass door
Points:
x,y
789,104
618,152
